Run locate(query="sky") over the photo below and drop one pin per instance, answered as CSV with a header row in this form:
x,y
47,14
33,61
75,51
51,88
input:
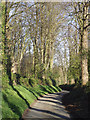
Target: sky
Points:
x,y
46,0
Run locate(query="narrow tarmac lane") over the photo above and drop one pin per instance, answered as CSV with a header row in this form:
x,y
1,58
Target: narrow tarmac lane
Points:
x,y
48,107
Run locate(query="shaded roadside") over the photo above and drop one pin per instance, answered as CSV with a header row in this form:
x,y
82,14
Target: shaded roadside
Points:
x,y
77,102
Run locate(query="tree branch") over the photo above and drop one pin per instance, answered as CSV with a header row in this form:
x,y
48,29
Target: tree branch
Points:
x,y
87,26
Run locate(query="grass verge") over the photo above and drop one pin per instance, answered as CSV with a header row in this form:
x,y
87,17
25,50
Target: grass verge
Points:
x,y
18,98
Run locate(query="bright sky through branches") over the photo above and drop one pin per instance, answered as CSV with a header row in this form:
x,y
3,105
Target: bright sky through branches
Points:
x,y
46,0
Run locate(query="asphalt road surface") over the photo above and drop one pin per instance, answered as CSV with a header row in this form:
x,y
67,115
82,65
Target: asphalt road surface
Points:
x,y
48,107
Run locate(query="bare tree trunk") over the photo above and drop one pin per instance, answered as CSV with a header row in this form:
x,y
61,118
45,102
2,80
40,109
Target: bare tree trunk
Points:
x,y
84,65
70,54
35,43
51,55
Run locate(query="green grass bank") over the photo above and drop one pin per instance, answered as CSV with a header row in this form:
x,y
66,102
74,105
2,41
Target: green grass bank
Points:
x,y
16,99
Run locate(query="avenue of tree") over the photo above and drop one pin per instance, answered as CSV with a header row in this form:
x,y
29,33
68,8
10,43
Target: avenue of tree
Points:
x,y
45,40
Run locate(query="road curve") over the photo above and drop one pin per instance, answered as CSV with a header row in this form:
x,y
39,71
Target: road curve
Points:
x,y
48,107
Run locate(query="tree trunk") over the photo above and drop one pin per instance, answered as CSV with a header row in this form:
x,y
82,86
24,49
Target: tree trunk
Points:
x,y
51,55
6,52
84,64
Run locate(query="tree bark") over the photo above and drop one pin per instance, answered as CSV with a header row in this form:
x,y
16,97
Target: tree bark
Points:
x,y
84,64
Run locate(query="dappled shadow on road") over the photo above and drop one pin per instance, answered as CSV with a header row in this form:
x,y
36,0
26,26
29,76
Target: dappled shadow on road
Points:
x,y
55,115
48,107
58,107
58,94
51,97
44,119
50,101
